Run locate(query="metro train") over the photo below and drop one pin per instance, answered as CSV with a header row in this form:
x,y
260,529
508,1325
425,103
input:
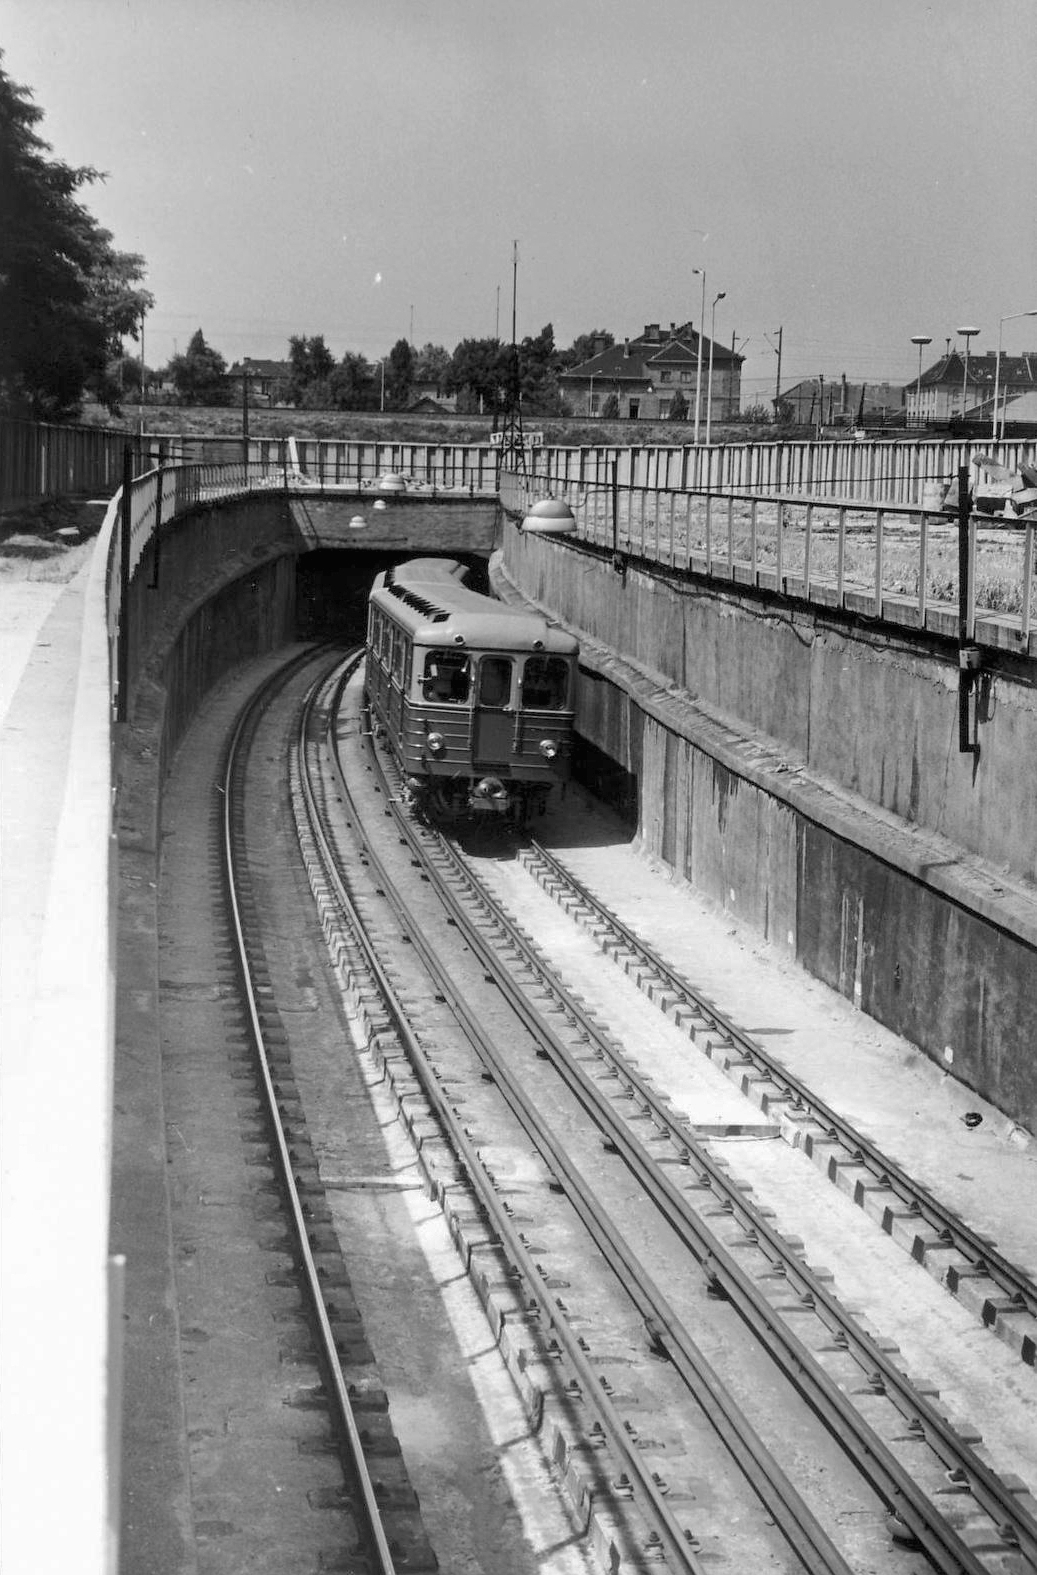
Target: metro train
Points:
x,y
475,698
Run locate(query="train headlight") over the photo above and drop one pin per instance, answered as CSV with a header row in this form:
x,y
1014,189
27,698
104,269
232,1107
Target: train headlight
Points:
x,y
434,743
548,748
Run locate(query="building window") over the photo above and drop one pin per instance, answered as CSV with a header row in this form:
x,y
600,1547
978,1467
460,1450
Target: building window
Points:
x,y
664,376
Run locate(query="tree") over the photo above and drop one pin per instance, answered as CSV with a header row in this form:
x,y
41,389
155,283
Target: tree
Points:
x,y
399,375
678,407
584,346
610,409
200,375
538,376
479,374
431,365
351,384
66,296
311,362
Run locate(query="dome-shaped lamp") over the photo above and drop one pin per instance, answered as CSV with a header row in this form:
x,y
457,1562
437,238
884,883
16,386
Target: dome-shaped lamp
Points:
x,y
391,482
358,522
380,505
550,517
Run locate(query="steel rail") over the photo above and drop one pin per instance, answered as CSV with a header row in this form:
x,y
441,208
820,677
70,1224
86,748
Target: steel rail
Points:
x,y
856,1437
666,1332
670,1532
234,876
1012,1279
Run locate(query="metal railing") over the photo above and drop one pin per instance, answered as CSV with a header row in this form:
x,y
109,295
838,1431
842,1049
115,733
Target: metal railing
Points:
x,y
888,562
872,469
40,461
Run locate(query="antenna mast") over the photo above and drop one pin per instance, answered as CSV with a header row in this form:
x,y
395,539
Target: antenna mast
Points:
x,y
512,438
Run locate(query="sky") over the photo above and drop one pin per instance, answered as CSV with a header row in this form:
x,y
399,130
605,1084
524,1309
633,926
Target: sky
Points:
x,y
851,172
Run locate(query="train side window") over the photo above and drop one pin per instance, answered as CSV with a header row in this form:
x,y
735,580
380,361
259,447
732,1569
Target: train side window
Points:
x,y
495,681
397,656
447,677
545,683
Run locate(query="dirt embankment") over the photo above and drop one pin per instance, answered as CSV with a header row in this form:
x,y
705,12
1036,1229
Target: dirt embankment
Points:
x,y
48,540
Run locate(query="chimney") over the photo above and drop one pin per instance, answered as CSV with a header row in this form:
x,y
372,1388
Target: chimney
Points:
x,y
626,348
599,344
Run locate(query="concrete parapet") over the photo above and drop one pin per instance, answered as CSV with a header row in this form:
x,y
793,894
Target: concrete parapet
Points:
x,y
58,1383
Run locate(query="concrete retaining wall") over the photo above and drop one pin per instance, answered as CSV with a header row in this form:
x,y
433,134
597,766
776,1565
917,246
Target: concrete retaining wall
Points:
x,y
805,776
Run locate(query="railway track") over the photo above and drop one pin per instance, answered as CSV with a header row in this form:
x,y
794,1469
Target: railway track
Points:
x,y
1001,1294
388,1526
934,1493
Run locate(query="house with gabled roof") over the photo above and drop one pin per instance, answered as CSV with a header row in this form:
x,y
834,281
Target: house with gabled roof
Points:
x,y
646,373
269,382
834,402
950,390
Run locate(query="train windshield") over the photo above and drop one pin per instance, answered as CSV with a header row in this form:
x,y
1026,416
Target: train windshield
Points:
x,y
447,677
545,683
495,681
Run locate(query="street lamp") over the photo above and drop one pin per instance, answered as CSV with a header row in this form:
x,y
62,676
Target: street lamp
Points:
x,y
698,359
920,340
966,334
997,366
709,389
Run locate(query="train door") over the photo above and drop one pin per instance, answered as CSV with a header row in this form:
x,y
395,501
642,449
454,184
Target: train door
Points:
x,y
493,721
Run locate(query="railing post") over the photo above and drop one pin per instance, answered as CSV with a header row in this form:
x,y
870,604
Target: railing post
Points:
x,y
615,507
967,652
923,567
123,653
159,487
753,510
879,553
779,586
1024,620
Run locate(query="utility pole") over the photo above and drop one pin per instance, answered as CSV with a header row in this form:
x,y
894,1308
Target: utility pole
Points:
x,y
142,373
244,418
777,384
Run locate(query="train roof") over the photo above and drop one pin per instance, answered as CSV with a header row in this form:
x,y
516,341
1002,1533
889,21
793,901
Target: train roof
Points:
x,y
427,596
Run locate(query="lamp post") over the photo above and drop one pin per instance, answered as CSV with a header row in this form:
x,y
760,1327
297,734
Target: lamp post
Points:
x,y
709,390
966,334
590,396
698,359
920,340
997,365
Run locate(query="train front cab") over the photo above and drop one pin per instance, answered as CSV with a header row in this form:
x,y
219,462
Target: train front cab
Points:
x,y
491,729
476,729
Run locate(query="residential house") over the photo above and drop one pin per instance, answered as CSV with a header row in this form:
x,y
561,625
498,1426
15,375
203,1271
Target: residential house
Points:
x,y
269,382
834,402
427,396
949,391
646,373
